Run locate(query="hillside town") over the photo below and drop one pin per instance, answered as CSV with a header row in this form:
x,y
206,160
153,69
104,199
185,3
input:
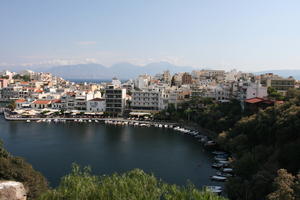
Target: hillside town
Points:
x,y
32,93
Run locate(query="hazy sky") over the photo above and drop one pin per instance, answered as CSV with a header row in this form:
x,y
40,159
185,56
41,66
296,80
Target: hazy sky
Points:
x,y
245,34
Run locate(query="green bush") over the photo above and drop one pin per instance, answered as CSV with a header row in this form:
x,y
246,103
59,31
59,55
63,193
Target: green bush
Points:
x,y
133,185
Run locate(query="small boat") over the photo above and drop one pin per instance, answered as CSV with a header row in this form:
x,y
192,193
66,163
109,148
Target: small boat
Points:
x,y
49,120
218,178
160,125
96,121
38,121
90,120
166,126
227,170
27,120
210,143
214,189
220,159
224,174
219,153
217,165
225,162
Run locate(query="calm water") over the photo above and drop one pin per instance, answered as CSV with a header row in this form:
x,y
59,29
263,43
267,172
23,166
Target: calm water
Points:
x,y
51,148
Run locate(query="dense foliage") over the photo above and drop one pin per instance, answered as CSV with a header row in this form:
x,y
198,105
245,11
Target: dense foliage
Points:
x,y
205,112
133,185
263,143
15,168
23,78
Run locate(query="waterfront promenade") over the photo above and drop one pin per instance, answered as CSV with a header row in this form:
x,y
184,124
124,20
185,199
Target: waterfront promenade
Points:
x,y
82,119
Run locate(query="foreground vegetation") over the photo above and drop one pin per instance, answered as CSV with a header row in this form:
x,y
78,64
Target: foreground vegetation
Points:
x,y
80,184
15,168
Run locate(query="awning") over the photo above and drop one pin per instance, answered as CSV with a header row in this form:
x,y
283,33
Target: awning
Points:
x,y
139,113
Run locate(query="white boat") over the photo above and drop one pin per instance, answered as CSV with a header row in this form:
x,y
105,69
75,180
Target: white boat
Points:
x,y
219,178
225,162
27,120
38,121
49,120
96,121
160,125
44,120
219,153
166,126
224,174
214,189
220,159
227,170
90,120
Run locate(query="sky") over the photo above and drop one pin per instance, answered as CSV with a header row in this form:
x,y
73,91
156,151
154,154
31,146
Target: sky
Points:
x,y
250,35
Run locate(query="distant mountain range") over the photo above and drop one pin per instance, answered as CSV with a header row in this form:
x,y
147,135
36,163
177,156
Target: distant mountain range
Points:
x,y
120,70
125,70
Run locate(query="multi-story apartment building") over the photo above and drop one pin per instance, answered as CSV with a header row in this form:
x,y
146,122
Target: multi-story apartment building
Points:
x,y
115,99
147,99
186,79
15,92
3,83
279,83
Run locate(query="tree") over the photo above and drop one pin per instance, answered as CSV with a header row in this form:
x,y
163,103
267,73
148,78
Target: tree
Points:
x,y
12,105
274,94
284,183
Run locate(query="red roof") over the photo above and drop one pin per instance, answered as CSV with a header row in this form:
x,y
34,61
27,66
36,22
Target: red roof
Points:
x,y
97,99
254,100
20,101
24,82
39,91
42,102
56,101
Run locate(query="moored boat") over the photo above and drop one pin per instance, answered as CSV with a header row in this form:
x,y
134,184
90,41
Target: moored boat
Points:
x,y
218,178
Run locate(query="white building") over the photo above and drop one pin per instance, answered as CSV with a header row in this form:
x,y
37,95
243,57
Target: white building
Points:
x,y
142,81
256,90
147,99
96,105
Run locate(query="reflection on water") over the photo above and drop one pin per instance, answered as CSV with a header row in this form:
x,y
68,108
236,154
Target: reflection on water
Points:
x,y
52,147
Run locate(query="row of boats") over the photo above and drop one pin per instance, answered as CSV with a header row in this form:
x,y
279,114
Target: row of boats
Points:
x,y
221,159
62,120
